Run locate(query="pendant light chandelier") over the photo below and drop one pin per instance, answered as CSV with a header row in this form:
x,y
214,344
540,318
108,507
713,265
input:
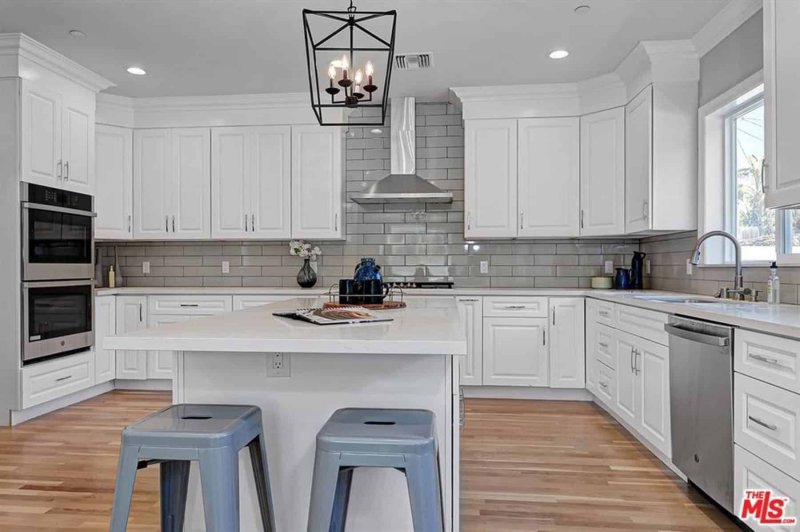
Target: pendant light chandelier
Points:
x,y
344,66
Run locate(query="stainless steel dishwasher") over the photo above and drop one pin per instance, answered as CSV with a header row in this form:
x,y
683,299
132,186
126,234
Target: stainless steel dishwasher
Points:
x,y
701,404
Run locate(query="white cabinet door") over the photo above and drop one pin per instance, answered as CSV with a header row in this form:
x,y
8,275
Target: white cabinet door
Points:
x,y
271,183
567,344
471,366
549,177
190,215
230,182
160,364
590,341
638,161
603,173
77,146
490,178
113,183
752,473
515,351
105,360
782,111
652,370
152,186
41,135
245,302
131,315
628,392
317,171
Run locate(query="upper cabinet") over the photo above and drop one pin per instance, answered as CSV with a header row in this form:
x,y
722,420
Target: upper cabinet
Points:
x,y
317,188
171,183
57,137
251,182
638,161
782,107
603,173
490,178
113,182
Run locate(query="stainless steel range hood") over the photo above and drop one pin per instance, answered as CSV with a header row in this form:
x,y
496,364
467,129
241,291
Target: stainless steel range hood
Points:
x,y
403,185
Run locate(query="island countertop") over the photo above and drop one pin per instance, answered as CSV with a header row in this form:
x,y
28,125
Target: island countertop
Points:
x,y
428,326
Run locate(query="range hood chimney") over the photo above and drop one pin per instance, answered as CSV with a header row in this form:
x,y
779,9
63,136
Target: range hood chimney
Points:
x,y
403,185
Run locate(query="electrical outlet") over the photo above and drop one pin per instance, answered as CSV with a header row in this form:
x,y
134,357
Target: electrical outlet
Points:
x,y
647,267
688,267
146,267
484,266
279,365
608,266
226,266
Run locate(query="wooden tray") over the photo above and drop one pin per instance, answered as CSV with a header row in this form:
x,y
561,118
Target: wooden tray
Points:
x,y
386,305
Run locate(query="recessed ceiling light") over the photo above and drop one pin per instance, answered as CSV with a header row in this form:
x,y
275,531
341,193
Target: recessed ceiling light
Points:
x,y
136,71
77,33
558,54
582,9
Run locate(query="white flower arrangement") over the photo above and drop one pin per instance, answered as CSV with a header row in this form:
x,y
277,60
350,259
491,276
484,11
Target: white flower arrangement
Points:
x,y
304,250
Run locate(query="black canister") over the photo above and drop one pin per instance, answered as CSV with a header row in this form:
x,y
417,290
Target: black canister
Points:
x,y
637,270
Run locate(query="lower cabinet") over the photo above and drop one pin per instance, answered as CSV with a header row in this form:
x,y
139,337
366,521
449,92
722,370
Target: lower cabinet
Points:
x,y
131,316
45,381
160,364
105,360
751,472
471,366
245,302
515,351
567,347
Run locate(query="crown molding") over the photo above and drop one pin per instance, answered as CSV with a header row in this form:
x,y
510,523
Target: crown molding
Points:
x,y
729,18
17,48
659,62
517,101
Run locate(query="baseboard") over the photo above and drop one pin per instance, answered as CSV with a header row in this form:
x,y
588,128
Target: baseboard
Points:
x,y
526,392
149,384
19,416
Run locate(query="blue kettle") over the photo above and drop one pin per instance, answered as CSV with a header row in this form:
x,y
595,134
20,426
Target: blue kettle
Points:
x,y
368,270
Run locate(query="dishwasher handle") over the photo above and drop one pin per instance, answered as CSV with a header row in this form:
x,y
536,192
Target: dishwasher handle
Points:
x,y
708,339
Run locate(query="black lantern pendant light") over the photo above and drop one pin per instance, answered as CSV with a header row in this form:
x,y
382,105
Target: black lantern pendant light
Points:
x,y
344,66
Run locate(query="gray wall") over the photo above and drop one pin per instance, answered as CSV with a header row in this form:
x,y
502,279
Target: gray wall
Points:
x,y
410,241
733,60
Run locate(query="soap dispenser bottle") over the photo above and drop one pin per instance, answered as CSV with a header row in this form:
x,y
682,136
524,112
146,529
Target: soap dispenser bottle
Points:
x,y
773,285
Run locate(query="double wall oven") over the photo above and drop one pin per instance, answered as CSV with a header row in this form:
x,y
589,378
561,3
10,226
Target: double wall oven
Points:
x,y
57,272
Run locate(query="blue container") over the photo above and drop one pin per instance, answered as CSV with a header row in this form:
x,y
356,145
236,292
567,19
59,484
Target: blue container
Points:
x,y
622,280
367,270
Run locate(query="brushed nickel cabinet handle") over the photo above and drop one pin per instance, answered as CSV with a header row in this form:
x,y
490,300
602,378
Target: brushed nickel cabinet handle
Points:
x,y
253,223
468,300
544,337
189,305
245,222
140,313
765,359
166,223
603,385
764,167
60,379
514,307
581,218
336,222
59,167
173,223
469,220
129,223
66,171
603,345
645,210
554,315
768,426
604,313
522,220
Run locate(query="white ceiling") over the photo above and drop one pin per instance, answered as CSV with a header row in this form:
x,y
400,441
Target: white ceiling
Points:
x,y
207,47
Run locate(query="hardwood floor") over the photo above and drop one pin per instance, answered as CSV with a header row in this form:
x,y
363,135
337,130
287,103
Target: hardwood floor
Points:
x,y
526,466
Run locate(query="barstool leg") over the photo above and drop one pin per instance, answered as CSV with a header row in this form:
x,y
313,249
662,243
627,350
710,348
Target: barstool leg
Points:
x,y
219,479
341,501
323,490
174,486
424,491
123,490
258,457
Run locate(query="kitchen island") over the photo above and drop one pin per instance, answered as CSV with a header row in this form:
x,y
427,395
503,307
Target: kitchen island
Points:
x,y
411,362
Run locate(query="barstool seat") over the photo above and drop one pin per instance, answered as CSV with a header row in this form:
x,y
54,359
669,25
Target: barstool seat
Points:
x,y
212,435
363,437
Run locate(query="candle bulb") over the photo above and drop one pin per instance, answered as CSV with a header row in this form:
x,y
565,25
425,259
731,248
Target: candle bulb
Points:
x,y
345,66
359,77
332,72
370,70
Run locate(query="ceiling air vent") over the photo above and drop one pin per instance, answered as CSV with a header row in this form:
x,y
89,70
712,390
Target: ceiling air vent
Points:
x,y
413,61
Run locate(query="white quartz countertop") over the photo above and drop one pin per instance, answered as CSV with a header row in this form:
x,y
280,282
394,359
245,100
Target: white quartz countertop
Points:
x,y
428,326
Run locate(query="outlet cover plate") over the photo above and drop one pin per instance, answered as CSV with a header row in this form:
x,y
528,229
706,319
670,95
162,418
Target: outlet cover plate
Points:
x,y
226,266
484,266
608,266
146,267
279,365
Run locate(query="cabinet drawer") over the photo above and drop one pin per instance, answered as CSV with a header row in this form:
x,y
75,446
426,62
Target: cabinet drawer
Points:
x,y
766,422
606,383
200,305
769,358
646,324
49,380
245,302
750,472
605,313
515,306
604,346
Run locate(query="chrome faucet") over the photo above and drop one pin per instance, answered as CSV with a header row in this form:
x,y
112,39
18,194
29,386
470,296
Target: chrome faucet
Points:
x,y
738,291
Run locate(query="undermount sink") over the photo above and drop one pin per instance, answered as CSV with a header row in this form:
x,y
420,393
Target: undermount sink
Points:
x,y
679,299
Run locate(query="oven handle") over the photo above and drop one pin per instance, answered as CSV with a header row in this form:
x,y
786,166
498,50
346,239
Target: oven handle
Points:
x,y
64,210
51,284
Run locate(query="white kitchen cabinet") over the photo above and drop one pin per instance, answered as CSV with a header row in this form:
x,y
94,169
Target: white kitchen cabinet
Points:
x,y
56,378
626,402
113,183
246,302
567,343
131,315
752,473
471,366
782,108
172,183
515,352
490,178
602,171
251,182
105,360
57,145
638,161
160,364
548,177
590,338
317,183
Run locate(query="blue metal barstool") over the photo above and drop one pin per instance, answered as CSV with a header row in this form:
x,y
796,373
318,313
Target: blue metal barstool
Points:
x,y
362,437
212,435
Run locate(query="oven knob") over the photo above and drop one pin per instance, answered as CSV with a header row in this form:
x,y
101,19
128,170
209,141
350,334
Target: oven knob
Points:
x,y
63,343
